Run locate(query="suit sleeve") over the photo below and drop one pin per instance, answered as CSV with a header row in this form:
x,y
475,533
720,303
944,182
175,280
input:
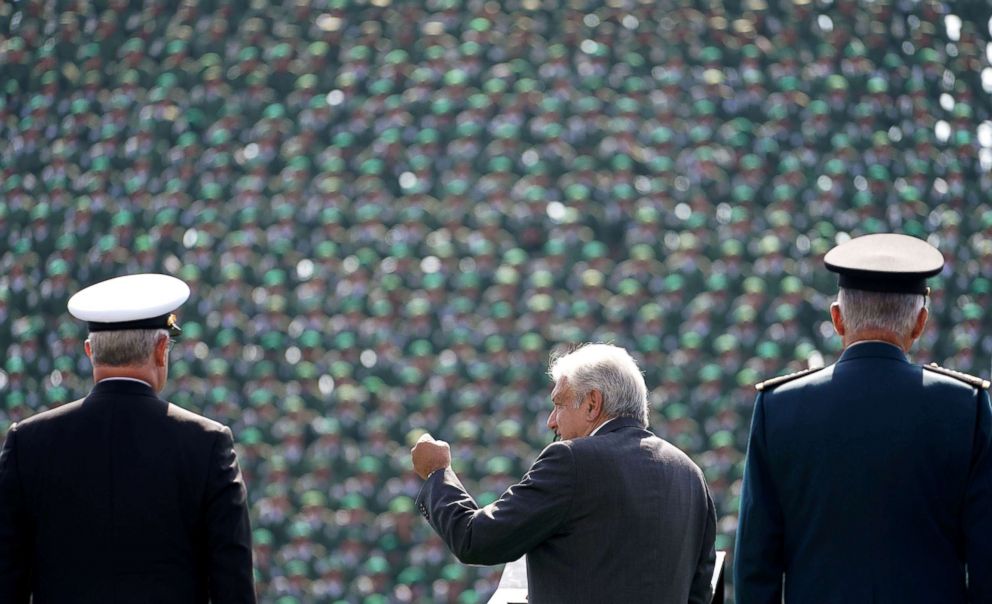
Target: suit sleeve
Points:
x,y
524,516
759,558
228,529
15,556
978,507
701,591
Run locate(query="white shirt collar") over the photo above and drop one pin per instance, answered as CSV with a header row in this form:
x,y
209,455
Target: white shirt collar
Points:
x,y
599,427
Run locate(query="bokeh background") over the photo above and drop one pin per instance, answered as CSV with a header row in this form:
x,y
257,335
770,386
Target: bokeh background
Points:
x,y
390,212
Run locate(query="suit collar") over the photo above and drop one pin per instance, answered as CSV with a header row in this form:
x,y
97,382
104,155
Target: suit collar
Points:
x,y
131,387
875,350
618,423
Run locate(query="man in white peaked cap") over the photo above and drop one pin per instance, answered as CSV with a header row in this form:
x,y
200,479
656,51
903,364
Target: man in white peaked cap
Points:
x,y
122,496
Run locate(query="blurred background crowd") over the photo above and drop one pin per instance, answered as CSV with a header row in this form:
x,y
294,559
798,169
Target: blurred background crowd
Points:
x,y
391,211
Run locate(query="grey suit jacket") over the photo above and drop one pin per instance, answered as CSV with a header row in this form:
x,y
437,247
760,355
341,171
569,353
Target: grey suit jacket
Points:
x,y
621,516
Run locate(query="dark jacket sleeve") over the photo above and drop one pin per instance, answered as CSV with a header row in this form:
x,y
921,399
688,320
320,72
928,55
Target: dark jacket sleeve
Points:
x,y
15,543
701,591
759,558
524,516
228,529
978,507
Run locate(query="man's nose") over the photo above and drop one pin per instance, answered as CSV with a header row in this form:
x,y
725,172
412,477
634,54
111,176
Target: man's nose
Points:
x,y
552,420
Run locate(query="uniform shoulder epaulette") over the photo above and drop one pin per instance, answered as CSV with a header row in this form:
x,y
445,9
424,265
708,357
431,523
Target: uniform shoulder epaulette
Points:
x,y
778,381
971,380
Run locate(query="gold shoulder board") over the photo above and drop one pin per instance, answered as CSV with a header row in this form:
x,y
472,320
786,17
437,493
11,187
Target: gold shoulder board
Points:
x,y
777,381
971,380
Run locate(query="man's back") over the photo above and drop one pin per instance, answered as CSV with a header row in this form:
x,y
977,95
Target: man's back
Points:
x,y
641,516
865,474
122,497
620,516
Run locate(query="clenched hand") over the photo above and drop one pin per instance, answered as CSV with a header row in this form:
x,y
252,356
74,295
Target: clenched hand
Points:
x,y
429,455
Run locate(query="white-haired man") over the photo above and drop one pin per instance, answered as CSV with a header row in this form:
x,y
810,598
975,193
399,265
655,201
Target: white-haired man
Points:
x,y
870,480
122,496
611,513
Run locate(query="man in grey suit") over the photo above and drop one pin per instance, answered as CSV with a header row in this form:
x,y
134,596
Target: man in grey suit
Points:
x,y
611,513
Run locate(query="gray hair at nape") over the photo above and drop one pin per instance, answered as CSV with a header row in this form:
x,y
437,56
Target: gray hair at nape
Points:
x,y
121,348
609,369
892,312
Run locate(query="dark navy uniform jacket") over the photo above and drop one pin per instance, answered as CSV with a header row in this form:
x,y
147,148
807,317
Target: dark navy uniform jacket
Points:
x,y
868,481
620,516
122,498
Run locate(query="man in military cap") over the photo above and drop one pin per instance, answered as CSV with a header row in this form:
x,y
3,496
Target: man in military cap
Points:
x,y
870,480
611,513
122,496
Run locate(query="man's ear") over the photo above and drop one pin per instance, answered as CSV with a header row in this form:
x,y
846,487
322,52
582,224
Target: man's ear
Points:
x,y
87,348
595,408
161,353
837,319
921,323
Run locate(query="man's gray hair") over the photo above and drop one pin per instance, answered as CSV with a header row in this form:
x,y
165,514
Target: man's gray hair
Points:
x,y
895,313
609,369
121,348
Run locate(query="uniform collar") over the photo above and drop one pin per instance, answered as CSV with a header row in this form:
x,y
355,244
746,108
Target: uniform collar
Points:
x,y
124,386
873,349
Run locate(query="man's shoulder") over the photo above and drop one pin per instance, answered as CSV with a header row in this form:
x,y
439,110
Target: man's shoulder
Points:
x,y
560,449
66,414
642,442
669,453
56,415
192,420
956,378
798,376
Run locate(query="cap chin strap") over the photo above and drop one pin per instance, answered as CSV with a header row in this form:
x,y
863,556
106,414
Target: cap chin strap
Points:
x,y
166,321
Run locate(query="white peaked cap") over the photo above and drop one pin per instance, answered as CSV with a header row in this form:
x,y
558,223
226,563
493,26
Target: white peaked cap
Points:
x,y
143,301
